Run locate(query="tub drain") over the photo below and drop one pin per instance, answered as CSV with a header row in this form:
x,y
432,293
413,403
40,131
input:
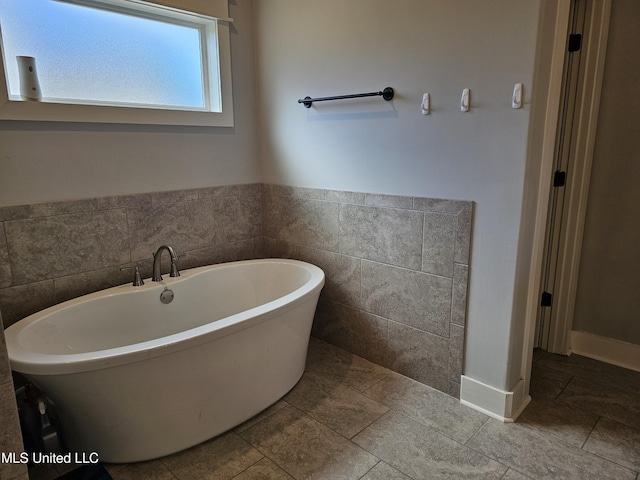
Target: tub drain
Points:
x,y
166,296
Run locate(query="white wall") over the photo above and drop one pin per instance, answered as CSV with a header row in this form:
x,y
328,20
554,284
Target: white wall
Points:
x,y
415,46
54,161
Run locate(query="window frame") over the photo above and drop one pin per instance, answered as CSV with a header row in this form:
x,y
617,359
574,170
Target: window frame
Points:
x,y
216,55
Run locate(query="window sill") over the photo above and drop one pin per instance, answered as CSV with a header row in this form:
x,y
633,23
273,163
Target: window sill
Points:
x,y
62,112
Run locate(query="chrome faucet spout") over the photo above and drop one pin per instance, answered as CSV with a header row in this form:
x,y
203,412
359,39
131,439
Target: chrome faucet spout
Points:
x,y
157,260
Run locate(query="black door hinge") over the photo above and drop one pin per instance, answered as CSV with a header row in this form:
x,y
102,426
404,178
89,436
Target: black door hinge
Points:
x,y
546,299
575,42
559,179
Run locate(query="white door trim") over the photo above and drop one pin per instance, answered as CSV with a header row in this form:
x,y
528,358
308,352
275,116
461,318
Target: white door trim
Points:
x,y
579,176
542,150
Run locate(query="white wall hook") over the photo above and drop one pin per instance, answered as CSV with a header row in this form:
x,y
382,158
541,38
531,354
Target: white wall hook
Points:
x,y
516,99
426,104
465,101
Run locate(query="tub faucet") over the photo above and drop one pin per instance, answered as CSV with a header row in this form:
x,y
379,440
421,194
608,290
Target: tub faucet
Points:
x,y
157,260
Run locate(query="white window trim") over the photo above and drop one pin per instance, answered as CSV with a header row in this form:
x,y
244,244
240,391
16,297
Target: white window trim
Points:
x,y
219,56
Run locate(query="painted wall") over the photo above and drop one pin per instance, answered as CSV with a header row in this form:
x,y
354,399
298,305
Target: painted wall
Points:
x,y
42,161
607,302
368,145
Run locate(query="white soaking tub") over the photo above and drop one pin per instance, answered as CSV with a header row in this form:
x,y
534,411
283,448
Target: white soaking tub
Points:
x,y
133,378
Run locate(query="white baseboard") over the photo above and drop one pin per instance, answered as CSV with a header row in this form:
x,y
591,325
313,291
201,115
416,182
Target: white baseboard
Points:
x,y
502,405
605,349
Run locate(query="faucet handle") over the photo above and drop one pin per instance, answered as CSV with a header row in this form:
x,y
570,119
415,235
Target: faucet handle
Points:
x,y
137,278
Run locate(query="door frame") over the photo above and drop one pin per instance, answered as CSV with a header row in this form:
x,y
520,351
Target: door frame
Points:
x,y
543,151
579,175
563,153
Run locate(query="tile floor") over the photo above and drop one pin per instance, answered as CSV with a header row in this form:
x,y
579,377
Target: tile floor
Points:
x,y
350,419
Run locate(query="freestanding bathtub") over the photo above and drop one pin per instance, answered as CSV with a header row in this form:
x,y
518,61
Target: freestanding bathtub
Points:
x,y
132,378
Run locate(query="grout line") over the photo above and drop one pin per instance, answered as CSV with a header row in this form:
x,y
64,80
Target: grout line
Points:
x,y
370,470
408,269
609,460
565,387
363,428
593,427
254,463
475,433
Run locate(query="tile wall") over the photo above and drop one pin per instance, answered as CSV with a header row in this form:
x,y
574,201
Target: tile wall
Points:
x,y
396,266
396,272
10,436
51,252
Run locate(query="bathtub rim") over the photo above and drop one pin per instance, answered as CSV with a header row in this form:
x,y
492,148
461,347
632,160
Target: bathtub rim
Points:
x,y
28,362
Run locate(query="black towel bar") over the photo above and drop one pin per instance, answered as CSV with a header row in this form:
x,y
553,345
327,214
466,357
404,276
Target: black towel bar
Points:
x,y
387,94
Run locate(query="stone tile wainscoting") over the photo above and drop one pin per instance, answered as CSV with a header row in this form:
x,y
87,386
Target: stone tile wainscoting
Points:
x,y
52,252
10,436
396,266
396,272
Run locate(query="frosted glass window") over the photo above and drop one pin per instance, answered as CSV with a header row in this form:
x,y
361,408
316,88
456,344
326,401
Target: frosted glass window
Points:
x,y
106,54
